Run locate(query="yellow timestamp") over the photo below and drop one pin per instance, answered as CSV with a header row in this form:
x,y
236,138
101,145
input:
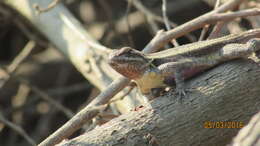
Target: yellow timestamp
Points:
x,y
223,124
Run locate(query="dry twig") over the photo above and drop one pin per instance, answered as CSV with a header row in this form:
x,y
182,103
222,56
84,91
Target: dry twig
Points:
x,y
159,40
46,97
49,7
68,128
17,61
166,21
194,24
129,36
18,129
206,27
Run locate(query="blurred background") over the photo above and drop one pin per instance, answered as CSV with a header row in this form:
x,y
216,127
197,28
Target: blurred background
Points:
x,y
40,87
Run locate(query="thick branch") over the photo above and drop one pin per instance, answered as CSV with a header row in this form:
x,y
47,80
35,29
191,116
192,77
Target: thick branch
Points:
x,y
69,36
229,92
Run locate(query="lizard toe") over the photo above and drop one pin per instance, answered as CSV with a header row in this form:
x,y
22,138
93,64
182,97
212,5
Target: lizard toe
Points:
x,y
181,93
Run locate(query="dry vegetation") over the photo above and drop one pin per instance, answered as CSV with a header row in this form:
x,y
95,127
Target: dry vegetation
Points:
x,y
53,65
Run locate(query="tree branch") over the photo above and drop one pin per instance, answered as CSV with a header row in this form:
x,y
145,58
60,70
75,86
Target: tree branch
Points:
x,y
194,24
229,92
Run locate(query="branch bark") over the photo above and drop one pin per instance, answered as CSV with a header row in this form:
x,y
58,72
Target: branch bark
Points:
x,y
229,92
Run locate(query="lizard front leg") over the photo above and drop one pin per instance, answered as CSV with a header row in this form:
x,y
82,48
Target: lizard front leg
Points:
x,y
181,70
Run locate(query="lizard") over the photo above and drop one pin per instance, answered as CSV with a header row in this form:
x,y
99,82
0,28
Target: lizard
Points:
x,y
172,66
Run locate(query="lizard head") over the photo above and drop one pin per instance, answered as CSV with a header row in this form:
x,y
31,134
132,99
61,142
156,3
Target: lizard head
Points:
x,y
129,62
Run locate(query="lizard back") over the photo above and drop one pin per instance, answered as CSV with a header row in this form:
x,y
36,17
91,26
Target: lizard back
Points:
x,y
205,47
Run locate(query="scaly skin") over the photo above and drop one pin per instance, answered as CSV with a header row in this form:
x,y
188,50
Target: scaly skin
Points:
x,y
173,66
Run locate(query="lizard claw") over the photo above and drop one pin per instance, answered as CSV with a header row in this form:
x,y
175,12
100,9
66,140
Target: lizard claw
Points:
x,y
182,92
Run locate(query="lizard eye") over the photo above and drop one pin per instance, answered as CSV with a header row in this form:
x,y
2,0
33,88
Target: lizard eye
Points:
x,y
128,55
129,52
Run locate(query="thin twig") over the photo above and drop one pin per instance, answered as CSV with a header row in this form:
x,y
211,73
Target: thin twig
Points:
x,y
233,15
42,94
217,28
203,32
21,56
49,7
194,24
155,28
18,129
12,68
17,61
150,14
160,39
166,21
130,36
68,128
164,12
46,97
158,18
109,16
206,27
57,91
65,90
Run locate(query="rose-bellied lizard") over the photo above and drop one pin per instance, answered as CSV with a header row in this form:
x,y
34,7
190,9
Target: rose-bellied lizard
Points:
x,y
173,66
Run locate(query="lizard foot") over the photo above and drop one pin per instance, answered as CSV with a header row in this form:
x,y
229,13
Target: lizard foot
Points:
x,y
180,93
